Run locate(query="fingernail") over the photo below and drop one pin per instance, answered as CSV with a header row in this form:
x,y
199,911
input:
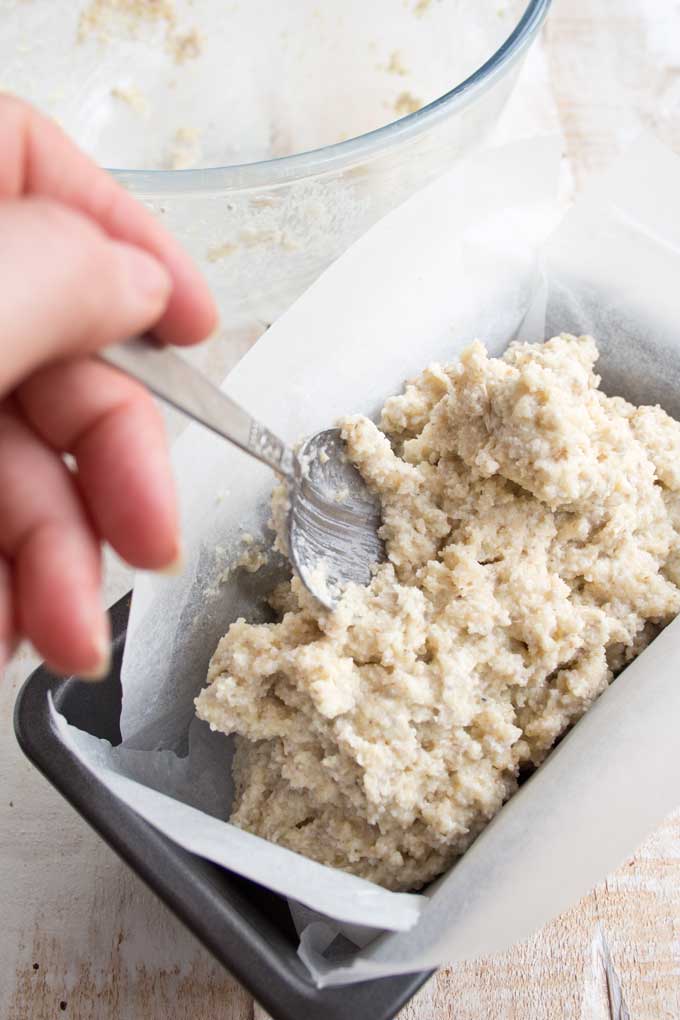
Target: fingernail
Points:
x,y
175,567
101,670
102,644
149,279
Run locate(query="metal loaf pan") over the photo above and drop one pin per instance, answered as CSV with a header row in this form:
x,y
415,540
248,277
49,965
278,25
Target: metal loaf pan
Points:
x,y
246,927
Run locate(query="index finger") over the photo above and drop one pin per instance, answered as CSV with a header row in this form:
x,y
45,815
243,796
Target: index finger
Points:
x,y
39,159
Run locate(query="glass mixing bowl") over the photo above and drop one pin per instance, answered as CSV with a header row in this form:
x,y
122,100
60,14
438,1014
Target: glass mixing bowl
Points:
x,y
296,102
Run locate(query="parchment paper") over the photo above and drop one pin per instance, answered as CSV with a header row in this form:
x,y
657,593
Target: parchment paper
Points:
x,y
466,257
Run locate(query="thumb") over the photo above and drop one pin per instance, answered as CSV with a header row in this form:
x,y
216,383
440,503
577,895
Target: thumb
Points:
x,y
66,288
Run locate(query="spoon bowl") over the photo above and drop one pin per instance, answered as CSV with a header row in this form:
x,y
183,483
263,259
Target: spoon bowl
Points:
x,y
333,518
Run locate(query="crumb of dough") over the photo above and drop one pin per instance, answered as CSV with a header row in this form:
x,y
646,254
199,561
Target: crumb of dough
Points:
x,y
395,64
278,521
405,103
421,7
532,526
102,18
253,557
185,150
184,46
221,251
108,20
133,98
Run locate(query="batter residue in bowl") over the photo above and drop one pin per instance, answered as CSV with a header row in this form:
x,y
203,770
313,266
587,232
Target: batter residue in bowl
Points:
x,y
533,531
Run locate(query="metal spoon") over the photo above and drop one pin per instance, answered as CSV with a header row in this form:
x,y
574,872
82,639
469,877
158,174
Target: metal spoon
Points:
x,y
333,519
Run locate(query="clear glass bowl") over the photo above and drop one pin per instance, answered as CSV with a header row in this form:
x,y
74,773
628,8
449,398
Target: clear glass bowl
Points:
x,y
263,230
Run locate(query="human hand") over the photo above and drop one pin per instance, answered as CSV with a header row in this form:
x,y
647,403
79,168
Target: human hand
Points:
x,y
82,265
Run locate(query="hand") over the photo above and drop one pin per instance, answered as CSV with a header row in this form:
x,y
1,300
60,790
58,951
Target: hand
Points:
x,y
82,266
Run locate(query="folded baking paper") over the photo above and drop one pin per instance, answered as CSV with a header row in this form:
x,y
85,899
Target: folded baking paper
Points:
x,y
466,257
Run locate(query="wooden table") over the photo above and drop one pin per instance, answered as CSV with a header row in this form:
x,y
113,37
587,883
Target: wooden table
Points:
x,y
81,937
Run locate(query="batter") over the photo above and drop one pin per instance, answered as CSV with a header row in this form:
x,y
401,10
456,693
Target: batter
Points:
x,y
532,527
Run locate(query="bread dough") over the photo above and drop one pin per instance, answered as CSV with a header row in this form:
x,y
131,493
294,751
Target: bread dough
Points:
x,y
533,531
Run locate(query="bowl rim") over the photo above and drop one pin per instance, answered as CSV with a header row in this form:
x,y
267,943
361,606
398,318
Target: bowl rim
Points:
x,y
361,148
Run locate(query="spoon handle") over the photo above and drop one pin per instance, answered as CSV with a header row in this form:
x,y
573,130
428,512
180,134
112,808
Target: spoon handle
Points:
x,y
176,382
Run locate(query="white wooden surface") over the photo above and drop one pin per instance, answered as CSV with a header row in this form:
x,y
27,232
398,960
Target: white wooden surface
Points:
x,y
81,937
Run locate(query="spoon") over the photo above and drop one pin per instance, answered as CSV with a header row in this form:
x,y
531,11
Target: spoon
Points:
x,y
333,518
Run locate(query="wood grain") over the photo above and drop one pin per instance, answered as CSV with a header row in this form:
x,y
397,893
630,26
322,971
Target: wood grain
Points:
x,y
82,938
614,72
560,972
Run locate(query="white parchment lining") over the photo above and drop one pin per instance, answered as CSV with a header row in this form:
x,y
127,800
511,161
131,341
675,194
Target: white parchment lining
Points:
x,y
470,256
